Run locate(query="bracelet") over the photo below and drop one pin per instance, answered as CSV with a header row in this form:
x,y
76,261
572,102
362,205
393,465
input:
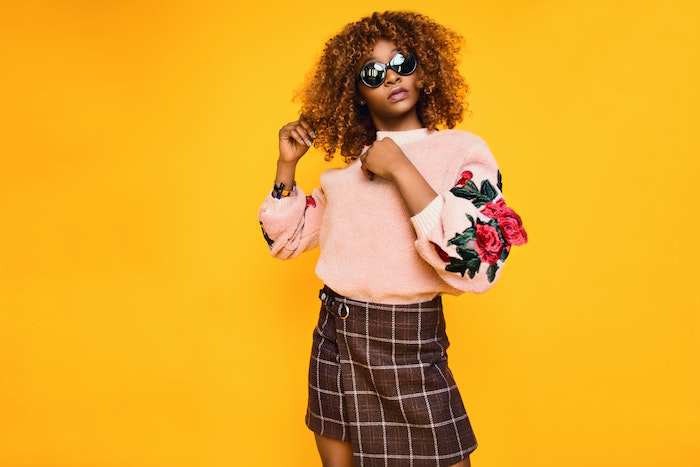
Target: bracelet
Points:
x,y
279,191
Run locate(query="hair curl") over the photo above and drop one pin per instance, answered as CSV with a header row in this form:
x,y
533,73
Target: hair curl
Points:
x,y
330,99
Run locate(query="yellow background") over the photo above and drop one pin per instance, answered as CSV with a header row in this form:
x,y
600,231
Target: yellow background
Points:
x,y
142,322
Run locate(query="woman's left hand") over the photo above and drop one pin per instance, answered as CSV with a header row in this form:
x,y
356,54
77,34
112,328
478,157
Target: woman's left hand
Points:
x,y
384,158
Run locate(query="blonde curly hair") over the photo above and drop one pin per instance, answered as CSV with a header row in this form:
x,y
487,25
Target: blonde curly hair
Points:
x,y
330,98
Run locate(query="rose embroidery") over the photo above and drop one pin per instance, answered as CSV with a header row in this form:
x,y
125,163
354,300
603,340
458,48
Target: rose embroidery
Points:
x,y
466,176
488,243
466,188
508,221
310,201
512,228
483,242
492,210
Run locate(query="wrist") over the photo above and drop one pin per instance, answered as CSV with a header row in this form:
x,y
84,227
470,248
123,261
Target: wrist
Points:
x,y
403,171
281,160
282,190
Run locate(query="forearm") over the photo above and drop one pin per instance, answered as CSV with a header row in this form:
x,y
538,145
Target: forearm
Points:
x,y
414,189
294,140
285,173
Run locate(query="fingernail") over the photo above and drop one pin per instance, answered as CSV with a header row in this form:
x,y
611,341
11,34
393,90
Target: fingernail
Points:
x,y
308,143
313,135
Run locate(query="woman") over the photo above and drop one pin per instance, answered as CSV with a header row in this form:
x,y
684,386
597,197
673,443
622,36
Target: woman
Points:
x,y
415,213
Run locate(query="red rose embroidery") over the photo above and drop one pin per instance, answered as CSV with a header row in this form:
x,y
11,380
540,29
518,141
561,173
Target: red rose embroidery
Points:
x,y
485,240
508,221
512,227
310,201
441,253
492,209
488,243
466,176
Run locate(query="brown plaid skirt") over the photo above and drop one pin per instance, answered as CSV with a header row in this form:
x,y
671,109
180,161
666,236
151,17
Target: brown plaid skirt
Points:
x,y
378,378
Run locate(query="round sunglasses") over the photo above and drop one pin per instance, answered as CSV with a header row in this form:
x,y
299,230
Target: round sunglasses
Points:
x,y
373,74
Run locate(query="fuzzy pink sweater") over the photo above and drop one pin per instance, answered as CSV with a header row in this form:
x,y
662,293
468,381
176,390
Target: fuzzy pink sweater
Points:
x,y
371,249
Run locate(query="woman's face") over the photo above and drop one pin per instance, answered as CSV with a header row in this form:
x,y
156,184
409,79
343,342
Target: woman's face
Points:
x,y
392,104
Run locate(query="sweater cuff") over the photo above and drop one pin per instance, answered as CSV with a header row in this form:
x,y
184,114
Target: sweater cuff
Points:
x,y
278,207
428,218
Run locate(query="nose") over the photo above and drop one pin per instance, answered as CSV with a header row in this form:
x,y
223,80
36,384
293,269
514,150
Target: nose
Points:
x,y
392,77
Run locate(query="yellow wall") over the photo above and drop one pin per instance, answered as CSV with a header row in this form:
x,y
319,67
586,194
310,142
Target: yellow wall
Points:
x,y
142,322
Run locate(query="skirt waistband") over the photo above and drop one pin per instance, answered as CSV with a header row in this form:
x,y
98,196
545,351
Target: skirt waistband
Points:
x,y
342,306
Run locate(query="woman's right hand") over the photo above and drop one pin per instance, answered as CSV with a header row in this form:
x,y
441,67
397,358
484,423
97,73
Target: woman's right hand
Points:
x,y
295,139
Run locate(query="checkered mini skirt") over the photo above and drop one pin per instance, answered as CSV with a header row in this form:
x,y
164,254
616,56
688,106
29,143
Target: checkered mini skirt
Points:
x,y
378,377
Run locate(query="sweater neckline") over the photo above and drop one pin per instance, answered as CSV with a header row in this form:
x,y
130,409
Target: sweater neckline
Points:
x,y
404,136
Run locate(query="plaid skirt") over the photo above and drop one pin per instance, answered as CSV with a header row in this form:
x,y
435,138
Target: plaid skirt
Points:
x,y
378,377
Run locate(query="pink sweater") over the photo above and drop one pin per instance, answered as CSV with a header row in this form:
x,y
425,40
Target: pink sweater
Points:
x,y
372,250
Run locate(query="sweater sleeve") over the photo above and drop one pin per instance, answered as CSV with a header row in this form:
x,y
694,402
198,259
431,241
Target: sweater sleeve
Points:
x,y
291,225
467,232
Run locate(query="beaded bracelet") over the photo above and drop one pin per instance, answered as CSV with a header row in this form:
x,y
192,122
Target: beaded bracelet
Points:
x,y
279,191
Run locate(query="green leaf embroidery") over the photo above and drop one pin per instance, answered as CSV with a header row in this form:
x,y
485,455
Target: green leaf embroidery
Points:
x,y
472,258
488,191
504,254
477,197
491,272
456,265
468,191
469,262
499,182
463,238
471,186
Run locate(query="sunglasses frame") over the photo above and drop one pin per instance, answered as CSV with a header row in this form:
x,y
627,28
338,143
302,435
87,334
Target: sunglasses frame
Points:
x,y
386,66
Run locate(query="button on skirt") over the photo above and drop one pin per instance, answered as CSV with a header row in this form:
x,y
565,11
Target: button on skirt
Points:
x,y
378,377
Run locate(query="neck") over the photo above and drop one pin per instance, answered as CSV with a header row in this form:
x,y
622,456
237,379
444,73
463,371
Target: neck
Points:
x,y
404,122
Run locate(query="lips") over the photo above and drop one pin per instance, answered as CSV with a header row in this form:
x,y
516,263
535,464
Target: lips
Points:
x,y
397,94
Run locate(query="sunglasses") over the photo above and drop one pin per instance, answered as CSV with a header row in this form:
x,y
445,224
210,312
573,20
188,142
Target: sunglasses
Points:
x,y
373,74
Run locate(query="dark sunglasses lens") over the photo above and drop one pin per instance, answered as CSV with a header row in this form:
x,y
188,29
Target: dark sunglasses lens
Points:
x,y
373,74
402,64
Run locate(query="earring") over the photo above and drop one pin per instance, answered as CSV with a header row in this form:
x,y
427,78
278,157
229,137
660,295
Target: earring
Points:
x,y
362,102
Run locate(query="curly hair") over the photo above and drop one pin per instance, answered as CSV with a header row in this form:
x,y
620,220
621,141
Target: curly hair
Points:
x,y
330,98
